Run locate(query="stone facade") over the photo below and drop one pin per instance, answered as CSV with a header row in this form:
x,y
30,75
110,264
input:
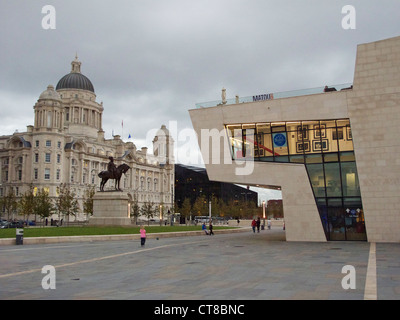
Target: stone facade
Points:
x,y
67,144
373,108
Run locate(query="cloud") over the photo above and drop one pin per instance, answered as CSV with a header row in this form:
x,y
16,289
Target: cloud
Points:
x,y
151,61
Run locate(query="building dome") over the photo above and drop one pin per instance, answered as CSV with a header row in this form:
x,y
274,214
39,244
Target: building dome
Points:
x,y
50,94
75,79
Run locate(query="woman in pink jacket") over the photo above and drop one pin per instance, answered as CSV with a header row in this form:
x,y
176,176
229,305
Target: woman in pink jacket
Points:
x,y
142,235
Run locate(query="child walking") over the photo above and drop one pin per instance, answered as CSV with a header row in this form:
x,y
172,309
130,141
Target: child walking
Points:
x,y
142,235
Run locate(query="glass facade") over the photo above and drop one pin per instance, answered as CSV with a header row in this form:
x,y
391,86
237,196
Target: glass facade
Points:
x,y
326,149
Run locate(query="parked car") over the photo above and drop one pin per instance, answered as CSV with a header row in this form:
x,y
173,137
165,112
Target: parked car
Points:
x,y
4,224
16,224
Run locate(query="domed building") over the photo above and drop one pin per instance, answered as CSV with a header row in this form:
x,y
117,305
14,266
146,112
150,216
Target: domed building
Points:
x,y
67,145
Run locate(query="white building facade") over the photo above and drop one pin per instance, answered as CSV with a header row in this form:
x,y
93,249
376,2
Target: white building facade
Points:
x,y
67,145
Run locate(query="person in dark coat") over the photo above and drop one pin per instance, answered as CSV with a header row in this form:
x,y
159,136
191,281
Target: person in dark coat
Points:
x,y
210,228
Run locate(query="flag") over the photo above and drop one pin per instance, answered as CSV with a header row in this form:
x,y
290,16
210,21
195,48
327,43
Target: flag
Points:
x,y
129,136
122,124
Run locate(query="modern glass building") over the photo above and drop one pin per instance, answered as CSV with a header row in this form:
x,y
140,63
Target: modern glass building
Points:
x,y
333,151
326,149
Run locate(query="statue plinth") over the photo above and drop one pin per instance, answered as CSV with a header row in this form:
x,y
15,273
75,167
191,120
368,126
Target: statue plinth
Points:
x,y
110,209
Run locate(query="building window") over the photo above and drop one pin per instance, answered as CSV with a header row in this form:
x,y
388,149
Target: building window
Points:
x,y
58,174
58,158
35,174
48,143
46,174
47,157
37,143
36,157
49,119
19,174
59,144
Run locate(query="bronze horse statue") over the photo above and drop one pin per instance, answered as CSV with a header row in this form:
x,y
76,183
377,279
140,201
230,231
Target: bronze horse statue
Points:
x,y
106,175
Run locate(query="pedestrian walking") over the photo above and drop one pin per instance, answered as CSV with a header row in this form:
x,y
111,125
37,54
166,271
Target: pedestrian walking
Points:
x,y
258,224
210,227
269,224
204,228
253,225
142,236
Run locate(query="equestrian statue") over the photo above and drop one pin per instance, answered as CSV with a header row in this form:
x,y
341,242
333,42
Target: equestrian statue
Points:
x,y
113,172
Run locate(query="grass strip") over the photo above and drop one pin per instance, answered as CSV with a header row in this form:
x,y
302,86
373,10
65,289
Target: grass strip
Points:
x,y
95,230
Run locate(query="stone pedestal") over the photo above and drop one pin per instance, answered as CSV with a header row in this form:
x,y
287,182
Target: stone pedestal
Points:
x,y
110,209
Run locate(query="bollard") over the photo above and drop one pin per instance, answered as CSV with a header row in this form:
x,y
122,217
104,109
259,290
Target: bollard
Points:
x,y
19,236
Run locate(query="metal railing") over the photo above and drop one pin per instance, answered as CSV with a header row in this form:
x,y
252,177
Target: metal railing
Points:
x,y
274,96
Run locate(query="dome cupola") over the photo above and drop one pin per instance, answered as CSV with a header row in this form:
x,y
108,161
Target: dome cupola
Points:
x,y
75,79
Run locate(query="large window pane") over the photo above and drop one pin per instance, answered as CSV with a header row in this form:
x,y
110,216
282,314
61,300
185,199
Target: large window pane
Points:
x,y
351,187
323,212
329,144
297,159
336,220
314,158
344,130
292,126
316,175
249,142
333,185
354,219
347,156
236,140
295,147
265,148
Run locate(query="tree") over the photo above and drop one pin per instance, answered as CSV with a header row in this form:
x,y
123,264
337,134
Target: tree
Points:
x,y
9,203
88,201
27,203
66,202
215,206
135,210
199,206
186,208
43,205
148,210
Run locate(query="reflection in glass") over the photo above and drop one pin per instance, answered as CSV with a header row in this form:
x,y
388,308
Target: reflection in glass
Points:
x,y
332,178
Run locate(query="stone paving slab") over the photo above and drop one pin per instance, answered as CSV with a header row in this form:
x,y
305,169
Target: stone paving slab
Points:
x,y
240,266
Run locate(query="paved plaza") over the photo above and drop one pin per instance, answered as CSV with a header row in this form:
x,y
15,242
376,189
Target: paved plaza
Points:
x,y
239,266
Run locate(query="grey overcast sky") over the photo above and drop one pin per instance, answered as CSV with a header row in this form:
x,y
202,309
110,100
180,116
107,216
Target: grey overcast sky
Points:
x,y
150,61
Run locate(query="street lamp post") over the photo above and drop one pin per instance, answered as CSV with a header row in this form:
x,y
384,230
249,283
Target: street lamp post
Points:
x,y
263,204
